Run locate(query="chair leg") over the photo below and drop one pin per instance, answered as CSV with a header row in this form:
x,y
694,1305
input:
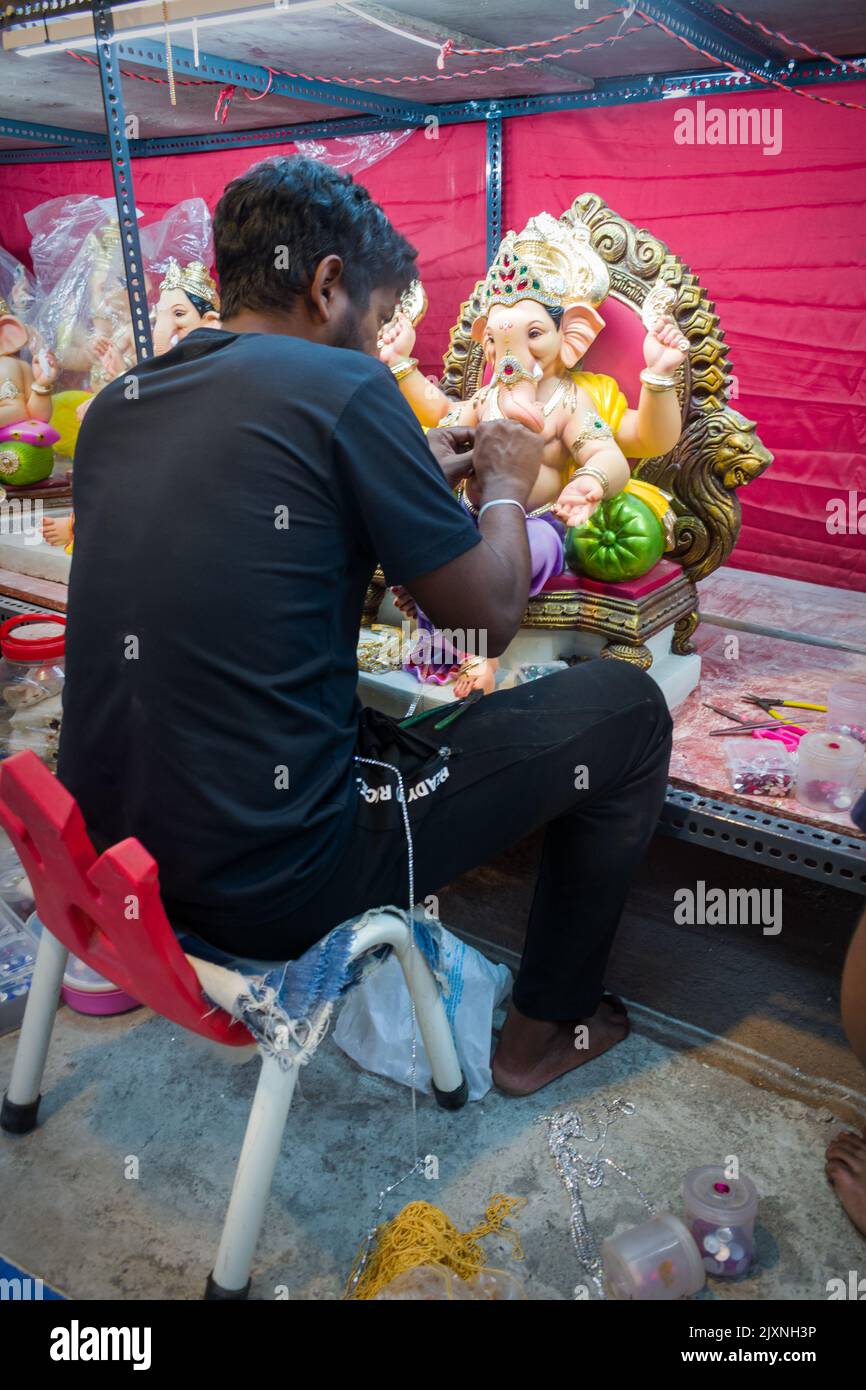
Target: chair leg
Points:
x,y
21,1102
252,1185
449,1086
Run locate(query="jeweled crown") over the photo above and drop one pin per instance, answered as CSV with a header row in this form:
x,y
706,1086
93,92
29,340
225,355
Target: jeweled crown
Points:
x,y
548,262
193,278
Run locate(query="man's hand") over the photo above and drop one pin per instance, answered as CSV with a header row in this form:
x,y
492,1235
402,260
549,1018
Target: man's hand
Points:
x,y
506,459
452,449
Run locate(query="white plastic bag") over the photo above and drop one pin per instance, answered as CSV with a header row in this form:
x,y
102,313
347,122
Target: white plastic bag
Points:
x,y
375,1024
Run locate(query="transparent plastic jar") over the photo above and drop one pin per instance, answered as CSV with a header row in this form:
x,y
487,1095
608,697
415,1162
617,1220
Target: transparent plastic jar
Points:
x,y
720,1213
658,1260
828,771
31,684
846,709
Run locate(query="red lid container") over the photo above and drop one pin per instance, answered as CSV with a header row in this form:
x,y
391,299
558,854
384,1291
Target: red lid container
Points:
x,y
33,637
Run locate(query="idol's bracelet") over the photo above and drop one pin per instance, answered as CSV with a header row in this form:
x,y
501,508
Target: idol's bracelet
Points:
x,y
41,390
596,473
501,502
405,368
654,381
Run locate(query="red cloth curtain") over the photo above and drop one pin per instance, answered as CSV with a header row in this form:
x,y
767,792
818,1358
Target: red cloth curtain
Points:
x,y
433,189
777,240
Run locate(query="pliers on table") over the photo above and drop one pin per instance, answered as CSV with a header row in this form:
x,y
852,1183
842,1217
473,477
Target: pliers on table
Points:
x,y
769,706
457,708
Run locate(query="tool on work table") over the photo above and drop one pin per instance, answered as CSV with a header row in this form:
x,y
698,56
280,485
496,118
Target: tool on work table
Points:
x,y
725,713
453,713
770,706
739,730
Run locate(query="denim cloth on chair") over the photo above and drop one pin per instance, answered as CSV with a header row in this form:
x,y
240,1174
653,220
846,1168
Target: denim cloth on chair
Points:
x,y
287,1006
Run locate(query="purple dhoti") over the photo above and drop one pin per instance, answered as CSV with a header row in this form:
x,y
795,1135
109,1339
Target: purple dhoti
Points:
x,y
546,559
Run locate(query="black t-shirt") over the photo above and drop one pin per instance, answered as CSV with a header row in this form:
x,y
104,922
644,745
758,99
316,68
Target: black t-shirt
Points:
x,y
231,503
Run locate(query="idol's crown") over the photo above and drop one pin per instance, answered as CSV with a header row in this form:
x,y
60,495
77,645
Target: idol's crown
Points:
x,y
193,278
548,262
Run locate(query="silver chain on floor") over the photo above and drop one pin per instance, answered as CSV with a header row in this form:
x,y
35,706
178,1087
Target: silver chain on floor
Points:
x,y
568,1139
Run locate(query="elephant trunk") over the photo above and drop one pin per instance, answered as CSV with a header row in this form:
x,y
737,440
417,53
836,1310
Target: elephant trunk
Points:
x,y
519,401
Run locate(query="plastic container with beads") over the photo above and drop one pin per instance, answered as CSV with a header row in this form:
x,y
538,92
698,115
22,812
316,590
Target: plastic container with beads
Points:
x,y
720,1213
846,709
828,770
31,684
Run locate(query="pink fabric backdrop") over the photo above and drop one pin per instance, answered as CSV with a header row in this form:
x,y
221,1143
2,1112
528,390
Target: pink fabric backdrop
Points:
x,y
778,242
432,189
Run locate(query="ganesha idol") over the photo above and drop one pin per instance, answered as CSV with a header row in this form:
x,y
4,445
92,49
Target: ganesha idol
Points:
x,y
26,434
188,300
539,316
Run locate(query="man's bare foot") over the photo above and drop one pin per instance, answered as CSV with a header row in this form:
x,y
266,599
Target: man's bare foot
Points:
x,y
846,1169
532,1052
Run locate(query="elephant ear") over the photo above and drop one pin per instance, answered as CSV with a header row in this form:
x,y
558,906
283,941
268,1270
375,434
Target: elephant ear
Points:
x,y
581,325
479,324
13,335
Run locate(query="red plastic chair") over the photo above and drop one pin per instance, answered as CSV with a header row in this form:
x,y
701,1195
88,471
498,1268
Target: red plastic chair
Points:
x,y
107,910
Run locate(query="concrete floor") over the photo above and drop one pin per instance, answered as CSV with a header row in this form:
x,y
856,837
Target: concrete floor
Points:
x,y
137,1087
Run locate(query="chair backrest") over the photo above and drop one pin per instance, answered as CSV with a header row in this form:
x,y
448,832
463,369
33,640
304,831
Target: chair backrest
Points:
x,y
107,909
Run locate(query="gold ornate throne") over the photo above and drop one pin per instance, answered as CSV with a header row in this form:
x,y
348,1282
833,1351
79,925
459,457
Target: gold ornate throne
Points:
x,y
718,451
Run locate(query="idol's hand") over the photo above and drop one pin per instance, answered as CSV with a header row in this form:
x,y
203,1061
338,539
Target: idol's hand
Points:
x,y
578,500
104,351
44,368
664,349
396,340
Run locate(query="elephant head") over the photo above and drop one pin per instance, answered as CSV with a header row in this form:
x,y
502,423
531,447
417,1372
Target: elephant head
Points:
x,y
524,342
539,310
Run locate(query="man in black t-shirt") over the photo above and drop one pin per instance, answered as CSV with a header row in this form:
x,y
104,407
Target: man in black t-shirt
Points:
x,y
229,512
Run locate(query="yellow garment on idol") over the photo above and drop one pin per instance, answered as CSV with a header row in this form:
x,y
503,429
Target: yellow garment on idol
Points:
x,y
611,405
63,418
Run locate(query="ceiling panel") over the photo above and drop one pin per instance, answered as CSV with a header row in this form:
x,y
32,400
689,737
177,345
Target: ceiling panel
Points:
x,y
57,89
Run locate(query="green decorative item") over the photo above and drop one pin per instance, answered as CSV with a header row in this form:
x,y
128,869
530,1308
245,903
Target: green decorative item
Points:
x,y
24,464
622,540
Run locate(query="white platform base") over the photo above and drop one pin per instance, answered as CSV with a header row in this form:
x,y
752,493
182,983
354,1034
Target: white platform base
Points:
x,y
396,691
23,550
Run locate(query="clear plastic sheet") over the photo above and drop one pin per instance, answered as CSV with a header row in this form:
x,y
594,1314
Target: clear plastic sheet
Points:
x,y
184,234
17,287
58,230
87,301
85,317
353,153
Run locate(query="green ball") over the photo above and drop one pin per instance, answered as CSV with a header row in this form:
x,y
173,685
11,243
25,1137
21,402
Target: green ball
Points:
x,y
623,539
23,464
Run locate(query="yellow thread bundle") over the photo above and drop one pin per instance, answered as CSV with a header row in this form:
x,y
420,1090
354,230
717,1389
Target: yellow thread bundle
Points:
x,y
422,1234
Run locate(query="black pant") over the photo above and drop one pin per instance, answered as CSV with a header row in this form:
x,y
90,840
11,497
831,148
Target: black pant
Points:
x,y
584,752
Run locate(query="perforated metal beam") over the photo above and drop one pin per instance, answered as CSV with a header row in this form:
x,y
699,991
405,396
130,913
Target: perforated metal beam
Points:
x,y
49,134
493,185
700,24
26,13
152,54
828,855
620,91
728,26
121,172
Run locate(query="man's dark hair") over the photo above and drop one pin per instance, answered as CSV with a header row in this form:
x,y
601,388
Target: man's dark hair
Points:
x,y
275,223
